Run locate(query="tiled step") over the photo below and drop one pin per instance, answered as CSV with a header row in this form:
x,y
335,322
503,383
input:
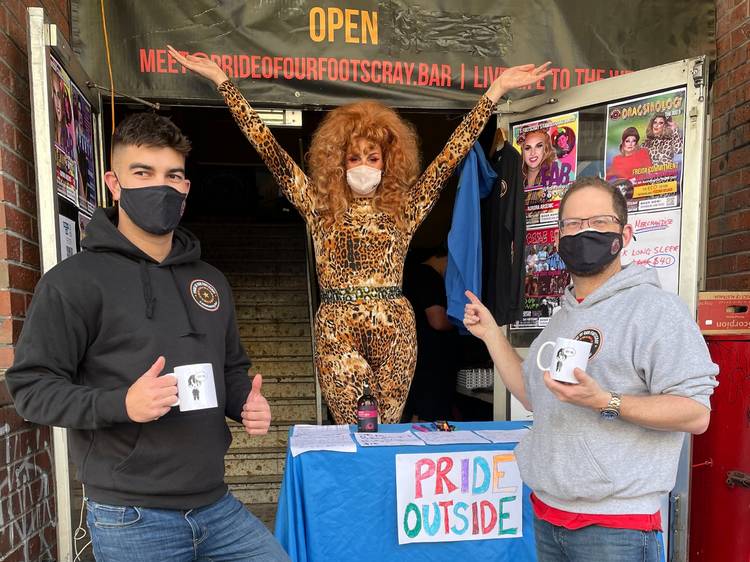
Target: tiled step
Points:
x,y
250,266
288,387
273,347
272,312
265,252
267,329
276,436
255,461
271,295
255,490
245,231
284,366
239,245
240,281
285,411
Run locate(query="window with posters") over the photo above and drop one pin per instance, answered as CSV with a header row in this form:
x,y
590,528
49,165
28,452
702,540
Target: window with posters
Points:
x,y
638,144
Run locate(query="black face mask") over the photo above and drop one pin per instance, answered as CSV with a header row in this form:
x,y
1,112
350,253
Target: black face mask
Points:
x,y
589,252
156,209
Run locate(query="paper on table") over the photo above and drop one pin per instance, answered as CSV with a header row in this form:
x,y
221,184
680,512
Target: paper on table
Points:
x,y
308,429
503,435
448,437
321,438
387,439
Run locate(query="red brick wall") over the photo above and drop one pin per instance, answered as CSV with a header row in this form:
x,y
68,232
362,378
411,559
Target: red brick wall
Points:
x,y
728,266
27,507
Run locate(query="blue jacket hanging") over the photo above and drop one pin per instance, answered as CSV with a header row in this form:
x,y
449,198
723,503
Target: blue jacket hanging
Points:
x,y
464,269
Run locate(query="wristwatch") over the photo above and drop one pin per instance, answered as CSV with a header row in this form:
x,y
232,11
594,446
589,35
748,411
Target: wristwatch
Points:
x,y
612,410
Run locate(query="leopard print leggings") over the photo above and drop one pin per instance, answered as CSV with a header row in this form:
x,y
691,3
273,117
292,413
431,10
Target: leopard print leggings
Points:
x,y
371,341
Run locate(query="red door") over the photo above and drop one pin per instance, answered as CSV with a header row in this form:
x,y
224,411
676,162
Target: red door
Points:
x,y
720,487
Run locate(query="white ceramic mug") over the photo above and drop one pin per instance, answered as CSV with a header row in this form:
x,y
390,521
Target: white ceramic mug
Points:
x,y
196,389
567,356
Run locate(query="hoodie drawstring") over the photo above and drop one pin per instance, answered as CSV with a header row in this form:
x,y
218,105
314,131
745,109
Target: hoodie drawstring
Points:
x,y
148,292
184,303
150,300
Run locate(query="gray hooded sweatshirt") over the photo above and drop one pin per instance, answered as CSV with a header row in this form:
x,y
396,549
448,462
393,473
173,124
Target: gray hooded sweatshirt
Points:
x,y
644,342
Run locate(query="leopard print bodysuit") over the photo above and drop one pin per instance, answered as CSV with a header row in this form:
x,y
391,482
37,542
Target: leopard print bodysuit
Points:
x,y
662,150
373,340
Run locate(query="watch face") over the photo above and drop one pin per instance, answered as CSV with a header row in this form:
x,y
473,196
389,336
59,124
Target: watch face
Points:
x,y
610,414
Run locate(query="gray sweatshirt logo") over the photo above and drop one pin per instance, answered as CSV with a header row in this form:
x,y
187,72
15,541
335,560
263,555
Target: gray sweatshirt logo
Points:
x,y
592,336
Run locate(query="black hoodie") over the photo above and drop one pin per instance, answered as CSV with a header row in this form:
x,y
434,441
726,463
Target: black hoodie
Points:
x,y
97,322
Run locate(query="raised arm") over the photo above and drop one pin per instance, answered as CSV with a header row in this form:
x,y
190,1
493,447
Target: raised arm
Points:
x,y
292,180
426,190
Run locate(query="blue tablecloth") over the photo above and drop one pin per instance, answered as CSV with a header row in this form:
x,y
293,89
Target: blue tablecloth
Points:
x,y
342,506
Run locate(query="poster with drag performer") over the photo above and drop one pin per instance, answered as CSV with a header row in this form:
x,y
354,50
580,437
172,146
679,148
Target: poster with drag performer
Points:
x,y
644,149
545,279
86,175
549,160
64,135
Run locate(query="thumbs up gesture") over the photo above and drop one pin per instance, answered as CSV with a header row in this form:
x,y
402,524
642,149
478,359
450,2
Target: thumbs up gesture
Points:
x,y
151,396
256,413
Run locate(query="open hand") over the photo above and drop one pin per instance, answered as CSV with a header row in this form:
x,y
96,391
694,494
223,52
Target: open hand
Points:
x,y
202,66
517,77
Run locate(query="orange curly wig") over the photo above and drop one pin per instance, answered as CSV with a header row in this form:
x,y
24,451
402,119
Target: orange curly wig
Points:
x,y
327,159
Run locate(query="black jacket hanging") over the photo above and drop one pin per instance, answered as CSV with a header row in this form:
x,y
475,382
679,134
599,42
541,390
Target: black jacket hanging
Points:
x,y
503,238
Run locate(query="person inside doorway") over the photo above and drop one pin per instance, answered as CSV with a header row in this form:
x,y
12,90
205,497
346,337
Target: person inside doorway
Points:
x,y
363,201
438,347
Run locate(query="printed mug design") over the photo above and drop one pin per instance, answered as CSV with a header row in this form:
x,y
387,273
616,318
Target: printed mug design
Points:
x,y
567,356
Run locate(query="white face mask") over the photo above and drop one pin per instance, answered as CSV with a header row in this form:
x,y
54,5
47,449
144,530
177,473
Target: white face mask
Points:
x,y
363,180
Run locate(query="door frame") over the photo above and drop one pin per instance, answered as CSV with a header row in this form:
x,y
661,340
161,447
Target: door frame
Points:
x,y
44,40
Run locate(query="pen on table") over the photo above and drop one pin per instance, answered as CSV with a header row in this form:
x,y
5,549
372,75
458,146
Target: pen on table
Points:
x,y
419,427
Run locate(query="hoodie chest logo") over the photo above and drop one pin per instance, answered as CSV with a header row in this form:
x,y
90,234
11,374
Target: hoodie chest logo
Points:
x,y
503,188
592,336
205,295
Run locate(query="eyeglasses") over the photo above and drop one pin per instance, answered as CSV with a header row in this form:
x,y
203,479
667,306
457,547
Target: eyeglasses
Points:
x,y
597,222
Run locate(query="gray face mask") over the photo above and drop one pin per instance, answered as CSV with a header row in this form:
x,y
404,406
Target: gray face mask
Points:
x,y
156,209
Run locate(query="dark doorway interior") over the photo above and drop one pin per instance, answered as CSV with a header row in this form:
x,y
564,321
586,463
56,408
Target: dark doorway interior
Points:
x,y
231,185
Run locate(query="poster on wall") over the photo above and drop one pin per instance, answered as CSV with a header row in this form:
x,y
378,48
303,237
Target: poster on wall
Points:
x,y
83,223
84,127
548,148
64,133
68,245
545,279
458,496
644,149
657,245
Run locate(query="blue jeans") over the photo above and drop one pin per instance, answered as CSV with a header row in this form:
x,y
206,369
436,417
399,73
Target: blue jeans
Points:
x,y
224,530
595,544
